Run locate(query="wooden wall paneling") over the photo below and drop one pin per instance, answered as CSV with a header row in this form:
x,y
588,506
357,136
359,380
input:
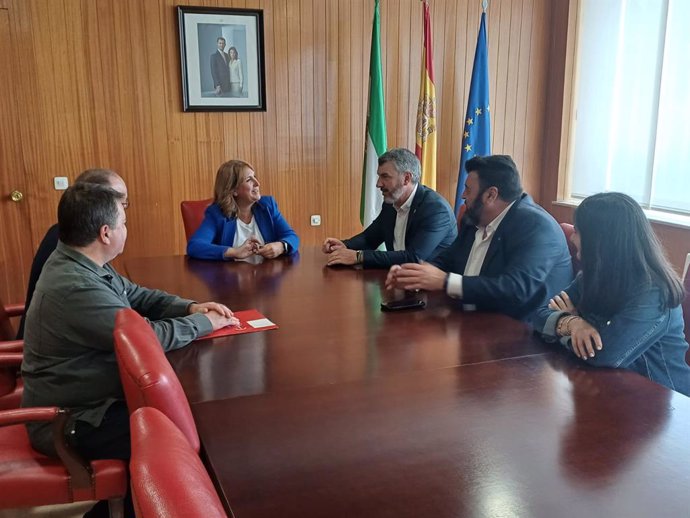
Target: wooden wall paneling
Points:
x,y
512,77
521,117
319,156
278,179
269,151
412,68
306,170
296,176
359,97
463,55
391,73
532,171
493,27
408,72
498,103
16,250
345,169
448,63
331,220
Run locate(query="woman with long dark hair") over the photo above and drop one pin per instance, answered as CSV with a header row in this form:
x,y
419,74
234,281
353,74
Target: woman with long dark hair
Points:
x,y
623,309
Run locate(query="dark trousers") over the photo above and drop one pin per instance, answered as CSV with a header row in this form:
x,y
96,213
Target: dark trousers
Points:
x,y
110,440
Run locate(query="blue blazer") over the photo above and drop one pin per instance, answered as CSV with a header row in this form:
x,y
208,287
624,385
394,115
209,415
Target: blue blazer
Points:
x,y
526,264
431,228
217,232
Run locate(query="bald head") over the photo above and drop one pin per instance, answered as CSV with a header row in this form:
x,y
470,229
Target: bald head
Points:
x,y
106,177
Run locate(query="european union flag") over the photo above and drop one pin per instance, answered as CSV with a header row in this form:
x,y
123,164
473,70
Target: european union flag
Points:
x,y
476,137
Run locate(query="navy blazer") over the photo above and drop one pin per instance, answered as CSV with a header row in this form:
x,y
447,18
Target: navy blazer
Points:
x,y
431,228
217,232
527,262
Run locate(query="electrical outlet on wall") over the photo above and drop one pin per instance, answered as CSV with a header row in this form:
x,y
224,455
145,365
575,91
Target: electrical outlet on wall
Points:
x,y
315,220
60,183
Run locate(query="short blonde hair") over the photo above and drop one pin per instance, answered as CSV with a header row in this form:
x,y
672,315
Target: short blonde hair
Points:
x,y
228,179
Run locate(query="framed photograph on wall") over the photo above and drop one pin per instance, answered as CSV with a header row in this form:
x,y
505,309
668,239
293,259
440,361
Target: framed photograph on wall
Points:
x,y
222,52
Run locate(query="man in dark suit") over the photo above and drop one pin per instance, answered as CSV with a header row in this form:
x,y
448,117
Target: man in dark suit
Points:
x,y
510,256
219,69
415,222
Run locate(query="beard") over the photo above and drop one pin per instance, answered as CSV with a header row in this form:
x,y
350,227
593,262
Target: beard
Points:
x,y
391,197
474,211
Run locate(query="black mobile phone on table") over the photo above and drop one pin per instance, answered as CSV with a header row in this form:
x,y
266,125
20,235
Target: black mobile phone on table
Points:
x,y
411,300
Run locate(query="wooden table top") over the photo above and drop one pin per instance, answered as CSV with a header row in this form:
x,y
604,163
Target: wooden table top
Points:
x,y
346,411
331,327
520,437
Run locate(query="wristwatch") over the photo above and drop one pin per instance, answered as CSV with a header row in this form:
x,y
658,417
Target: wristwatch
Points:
x,y
286,248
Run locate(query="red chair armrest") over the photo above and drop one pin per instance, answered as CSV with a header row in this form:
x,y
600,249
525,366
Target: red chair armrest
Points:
x,y
11,346
28,415
80,471
15,310
11,360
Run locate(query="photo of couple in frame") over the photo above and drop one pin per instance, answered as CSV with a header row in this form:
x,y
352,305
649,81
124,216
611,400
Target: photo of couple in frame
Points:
x,y
222,53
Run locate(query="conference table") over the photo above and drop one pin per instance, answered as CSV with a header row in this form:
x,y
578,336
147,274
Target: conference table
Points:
x,y
348,411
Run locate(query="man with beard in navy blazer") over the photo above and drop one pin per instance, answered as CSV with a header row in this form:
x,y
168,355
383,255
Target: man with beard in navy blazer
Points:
x,y
511,256
415,222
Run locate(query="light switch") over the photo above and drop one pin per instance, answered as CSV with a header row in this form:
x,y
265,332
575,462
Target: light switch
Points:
x,y
315,220
61,183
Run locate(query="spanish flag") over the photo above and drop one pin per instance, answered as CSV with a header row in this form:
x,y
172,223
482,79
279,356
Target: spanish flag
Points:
x,y
425,148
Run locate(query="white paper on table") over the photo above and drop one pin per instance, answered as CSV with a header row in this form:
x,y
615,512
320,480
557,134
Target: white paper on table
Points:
x,y
261,322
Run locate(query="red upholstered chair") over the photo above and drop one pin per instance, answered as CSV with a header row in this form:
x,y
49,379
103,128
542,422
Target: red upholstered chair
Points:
x,y
168,478
147,377
11,385
30,479
193,215
568,230
8,311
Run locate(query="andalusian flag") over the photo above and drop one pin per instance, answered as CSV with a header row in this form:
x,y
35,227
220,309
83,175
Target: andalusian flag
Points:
x,y
376,129
476,135
425,149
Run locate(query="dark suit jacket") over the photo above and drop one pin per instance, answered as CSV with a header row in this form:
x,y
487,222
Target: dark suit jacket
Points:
x,y
527,262
220,71
47,246
431,228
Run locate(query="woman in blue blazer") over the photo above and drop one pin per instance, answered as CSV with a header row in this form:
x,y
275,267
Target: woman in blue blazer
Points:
x,y
623,310
240,224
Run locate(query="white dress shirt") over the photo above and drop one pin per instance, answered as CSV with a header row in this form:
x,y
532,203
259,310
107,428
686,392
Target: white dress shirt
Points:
x,y
482,241
245,231
401,221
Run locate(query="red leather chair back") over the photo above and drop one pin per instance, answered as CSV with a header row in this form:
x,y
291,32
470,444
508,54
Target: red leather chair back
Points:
x,y
7,332
168,478
147,377
11,386
193,215
568,230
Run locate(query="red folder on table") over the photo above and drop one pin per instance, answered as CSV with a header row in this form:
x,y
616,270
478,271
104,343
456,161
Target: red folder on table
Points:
x,y
251,321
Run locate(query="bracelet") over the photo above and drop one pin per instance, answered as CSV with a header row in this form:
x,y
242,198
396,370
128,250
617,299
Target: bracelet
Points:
x,y
359,259
563,327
